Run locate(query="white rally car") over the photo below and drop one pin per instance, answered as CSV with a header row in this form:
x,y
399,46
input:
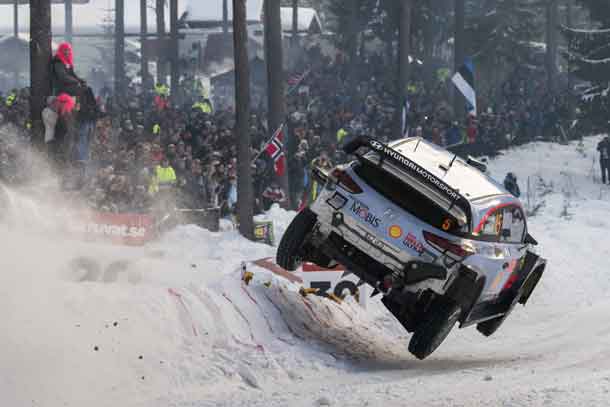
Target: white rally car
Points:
x,y
442,241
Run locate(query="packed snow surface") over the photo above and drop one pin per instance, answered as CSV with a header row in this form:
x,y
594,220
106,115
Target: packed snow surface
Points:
x,y
172,324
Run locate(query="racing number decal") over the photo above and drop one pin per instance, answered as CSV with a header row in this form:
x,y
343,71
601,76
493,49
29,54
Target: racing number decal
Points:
x,y
345,285
447,224
321,286
339,291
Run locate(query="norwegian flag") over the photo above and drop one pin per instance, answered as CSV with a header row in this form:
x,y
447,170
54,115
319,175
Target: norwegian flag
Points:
x,y
275,150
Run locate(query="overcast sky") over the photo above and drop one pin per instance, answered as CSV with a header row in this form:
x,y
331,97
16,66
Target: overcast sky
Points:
x,y
88,15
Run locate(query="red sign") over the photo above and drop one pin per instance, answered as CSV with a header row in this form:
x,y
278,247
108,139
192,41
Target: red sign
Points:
x,y
121,228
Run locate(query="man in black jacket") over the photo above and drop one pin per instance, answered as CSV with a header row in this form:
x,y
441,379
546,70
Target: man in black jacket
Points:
x,y
511,184
604,158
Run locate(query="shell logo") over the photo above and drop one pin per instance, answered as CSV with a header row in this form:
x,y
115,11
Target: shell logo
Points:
x,y
395,231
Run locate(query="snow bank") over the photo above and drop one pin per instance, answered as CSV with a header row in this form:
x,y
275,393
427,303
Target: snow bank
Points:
x,y
172,324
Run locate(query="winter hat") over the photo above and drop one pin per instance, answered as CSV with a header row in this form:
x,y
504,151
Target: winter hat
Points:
x,y
65,103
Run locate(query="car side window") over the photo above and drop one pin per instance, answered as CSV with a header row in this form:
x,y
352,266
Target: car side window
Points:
x,y
493,226
513,225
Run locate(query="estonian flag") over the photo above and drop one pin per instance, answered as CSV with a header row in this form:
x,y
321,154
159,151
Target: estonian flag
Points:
x,y
464,81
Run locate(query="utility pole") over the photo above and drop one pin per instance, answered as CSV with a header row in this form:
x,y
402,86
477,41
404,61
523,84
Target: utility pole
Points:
x,y
175,56
69,19
119,49
404,40
458,55
143,32
245,190
552,15
225,16
40,55
275,78
161,57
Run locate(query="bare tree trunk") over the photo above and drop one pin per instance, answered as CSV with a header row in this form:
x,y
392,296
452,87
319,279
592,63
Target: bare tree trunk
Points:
x,y
295,22
175,57
552,21
119,49
16,34
225,16
143,39
404,39
16,18
352,44
245,192
161,59
570,76
275,77
40,57
459,56
68,17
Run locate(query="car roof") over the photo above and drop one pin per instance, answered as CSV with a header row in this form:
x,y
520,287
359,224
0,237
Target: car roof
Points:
x,y
468,180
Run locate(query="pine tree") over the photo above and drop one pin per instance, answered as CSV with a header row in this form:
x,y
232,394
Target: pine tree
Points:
x,y
589,57
501,36
502,31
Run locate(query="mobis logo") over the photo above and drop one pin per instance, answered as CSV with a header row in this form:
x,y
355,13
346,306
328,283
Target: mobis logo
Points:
x,y
364,213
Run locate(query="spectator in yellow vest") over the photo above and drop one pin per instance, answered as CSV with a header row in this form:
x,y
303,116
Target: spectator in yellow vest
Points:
x,y
341,133
164,177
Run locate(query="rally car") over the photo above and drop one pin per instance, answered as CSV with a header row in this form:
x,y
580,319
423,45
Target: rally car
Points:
x,y
430,231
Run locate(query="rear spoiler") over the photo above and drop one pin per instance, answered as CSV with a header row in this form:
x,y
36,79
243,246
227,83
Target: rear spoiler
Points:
x,y
410,167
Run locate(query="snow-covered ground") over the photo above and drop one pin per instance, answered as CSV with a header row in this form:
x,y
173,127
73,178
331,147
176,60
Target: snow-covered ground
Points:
x,y
171,324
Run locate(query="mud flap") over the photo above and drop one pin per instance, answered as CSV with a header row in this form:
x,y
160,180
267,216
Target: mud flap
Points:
x,y
531,282
401,312
465,291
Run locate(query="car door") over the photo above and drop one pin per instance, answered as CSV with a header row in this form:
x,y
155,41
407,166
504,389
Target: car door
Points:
x,y
509,232
495,239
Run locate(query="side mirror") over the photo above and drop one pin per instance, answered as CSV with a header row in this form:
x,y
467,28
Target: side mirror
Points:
x,y
530,240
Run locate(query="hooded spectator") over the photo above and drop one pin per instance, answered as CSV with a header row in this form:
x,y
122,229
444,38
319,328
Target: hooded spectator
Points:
x,y
604,158
511,185
63,77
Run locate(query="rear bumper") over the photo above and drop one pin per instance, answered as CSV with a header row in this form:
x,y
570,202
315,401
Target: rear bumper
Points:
x,y
347,241
335,221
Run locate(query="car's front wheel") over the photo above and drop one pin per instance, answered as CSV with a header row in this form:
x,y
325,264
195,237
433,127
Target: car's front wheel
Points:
x,y
290,251
432,331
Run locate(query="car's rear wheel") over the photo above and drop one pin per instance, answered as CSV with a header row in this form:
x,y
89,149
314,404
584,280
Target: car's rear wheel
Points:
x,y
432,331
290,251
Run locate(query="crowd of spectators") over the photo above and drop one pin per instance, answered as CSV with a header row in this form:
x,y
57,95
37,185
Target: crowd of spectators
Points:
x,y
146,152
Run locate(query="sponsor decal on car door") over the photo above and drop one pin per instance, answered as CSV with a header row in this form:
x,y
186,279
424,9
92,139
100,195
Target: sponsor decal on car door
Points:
x,y
364,214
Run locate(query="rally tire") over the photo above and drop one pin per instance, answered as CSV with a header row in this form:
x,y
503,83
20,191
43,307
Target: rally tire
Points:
x,y
289,252
431,332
